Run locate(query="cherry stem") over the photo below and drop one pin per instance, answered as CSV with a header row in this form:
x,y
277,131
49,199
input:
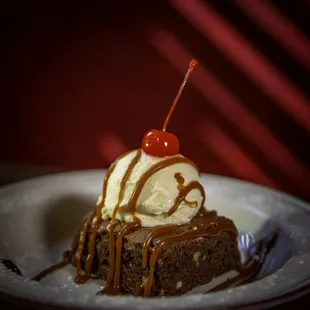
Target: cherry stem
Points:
x,y
192,65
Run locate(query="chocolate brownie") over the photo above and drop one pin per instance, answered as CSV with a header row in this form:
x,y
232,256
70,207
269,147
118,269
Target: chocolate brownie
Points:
x,y
180,266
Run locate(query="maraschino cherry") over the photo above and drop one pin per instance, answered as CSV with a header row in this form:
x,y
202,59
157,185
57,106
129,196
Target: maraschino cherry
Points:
x,y
161,143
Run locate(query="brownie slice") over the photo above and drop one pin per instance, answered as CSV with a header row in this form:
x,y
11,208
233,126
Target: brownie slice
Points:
x,y
180,267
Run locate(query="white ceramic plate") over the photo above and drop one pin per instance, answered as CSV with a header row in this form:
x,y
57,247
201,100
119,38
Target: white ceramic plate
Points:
x,y
38,217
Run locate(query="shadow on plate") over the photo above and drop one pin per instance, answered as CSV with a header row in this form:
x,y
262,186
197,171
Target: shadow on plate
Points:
x,y
63,217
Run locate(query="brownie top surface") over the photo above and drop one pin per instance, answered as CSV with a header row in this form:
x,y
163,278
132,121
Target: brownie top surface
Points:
x,y
209,219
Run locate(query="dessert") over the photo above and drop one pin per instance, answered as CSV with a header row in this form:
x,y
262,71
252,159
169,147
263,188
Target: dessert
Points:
x,y
150,234
170,270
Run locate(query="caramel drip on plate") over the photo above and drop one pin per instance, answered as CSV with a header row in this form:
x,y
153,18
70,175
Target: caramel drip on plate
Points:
x,y
210,230
144,178
112,247
8,264
97,218
49,270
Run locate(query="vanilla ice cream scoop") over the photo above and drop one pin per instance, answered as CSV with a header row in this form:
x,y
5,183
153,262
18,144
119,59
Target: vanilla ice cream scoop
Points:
x,y
160,190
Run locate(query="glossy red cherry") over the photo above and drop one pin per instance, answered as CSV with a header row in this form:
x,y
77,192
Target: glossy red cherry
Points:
x,y
160,143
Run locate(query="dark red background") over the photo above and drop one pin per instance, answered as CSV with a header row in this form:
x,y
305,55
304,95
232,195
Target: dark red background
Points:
x,y
84,83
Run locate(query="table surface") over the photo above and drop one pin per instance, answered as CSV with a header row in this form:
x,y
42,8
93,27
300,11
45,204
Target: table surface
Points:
x,y
11,173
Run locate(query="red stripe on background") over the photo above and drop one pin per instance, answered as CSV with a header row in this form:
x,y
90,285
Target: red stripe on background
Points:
x,y
111,147
250,61
274,23
229,105
231,154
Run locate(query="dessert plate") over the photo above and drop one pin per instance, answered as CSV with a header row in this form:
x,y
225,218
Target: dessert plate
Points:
x,y
38,218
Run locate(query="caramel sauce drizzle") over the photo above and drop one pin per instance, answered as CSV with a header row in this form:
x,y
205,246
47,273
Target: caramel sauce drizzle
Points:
x,y
181,187
180,181
119,246
97,218
183,193
8,264
49,270
157,167
151,236
110,284
184,190
192,204
80,277
190,234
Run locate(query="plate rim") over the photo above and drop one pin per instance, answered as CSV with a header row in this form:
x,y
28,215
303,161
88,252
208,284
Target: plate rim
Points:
x,y
272,302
